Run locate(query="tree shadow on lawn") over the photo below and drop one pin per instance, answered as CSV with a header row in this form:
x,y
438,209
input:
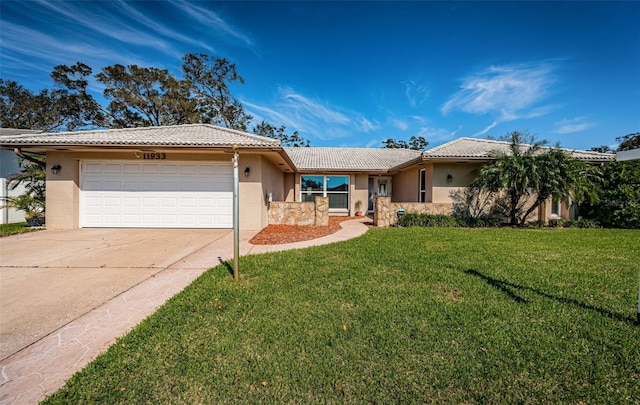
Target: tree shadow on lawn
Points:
x,y
510,290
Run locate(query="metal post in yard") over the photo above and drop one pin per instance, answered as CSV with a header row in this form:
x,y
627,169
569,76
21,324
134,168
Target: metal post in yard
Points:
x,y
236,216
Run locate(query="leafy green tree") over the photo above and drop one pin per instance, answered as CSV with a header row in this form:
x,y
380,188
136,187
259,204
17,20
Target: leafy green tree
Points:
x,y
618,205
141,96
210,78
21,108
75,104
629,141
619,202
415,143
137,96
529,174
66,107
270,131
602,149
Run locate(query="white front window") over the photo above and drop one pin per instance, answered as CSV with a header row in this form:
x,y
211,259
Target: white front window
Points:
x,y
334,187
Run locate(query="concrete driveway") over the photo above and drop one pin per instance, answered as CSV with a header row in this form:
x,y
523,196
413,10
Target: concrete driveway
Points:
x,y
49,278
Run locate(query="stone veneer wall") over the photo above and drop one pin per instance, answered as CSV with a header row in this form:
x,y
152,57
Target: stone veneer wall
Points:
x,y
322,211
382,212
385,213
299,213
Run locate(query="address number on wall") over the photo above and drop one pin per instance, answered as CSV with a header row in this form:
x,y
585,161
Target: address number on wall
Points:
x,y
154,156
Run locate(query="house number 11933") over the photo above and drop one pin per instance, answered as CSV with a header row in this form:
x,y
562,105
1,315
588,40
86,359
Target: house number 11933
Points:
x,y
154,156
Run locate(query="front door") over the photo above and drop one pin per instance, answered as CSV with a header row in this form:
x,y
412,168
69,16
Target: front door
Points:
x,y
379,186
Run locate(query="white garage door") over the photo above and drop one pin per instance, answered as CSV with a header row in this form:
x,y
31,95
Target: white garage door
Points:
x,y
156,194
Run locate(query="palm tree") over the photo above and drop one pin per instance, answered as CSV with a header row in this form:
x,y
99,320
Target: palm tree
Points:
x,y
512,173
529,175
32,175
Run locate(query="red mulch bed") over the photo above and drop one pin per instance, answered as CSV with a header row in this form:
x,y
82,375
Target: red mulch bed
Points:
x,y
277,234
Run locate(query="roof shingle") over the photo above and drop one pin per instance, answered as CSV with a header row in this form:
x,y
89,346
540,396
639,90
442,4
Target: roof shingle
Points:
x,y
175,135
349,159
472,148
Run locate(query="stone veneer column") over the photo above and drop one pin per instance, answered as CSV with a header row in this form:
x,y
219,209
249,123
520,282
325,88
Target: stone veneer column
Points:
x,y
382,212
322,211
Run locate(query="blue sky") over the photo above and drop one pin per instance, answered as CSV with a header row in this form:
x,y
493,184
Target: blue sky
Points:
x,y
357,73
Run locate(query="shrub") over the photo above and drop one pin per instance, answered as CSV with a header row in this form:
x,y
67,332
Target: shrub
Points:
x,y
556,223
446,221
412,219
582,223
619,204
573,223
536,224
485,221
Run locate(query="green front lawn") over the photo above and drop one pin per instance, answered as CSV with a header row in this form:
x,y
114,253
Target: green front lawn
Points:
x,y
435,315
14,229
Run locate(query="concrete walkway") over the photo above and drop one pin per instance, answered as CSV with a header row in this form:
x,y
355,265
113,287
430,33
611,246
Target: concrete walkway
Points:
x,y
40,369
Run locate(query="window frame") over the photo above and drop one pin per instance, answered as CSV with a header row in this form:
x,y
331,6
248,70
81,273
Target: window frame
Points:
x,y
422,185
556,207
325,192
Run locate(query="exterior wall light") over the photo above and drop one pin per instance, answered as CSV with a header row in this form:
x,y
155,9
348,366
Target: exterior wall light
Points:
x,y
449,178
246,172
55,169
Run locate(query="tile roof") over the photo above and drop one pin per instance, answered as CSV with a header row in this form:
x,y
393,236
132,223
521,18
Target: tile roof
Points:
x,y
349,159
175,135
472,148
6,132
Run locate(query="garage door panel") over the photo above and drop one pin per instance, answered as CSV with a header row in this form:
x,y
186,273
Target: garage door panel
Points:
x,y
149,202
169,185
130,185
169,169
125,194
111,168
131,168
92,168
150,169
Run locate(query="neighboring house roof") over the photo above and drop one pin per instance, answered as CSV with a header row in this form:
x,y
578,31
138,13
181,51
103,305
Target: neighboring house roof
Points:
x,y
176,135
6,132
349,159
483,149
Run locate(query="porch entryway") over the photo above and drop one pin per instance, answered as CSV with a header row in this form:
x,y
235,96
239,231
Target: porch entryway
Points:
x,y
379,186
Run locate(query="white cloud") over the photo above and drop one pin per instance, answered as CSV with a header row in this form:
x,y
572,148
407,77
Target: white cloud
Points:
x,y
487,129
373,143
212,20
364,125
400,124
508,92
112,25
18,50
569,126
416,93
312,117
311,108
152,24
437,134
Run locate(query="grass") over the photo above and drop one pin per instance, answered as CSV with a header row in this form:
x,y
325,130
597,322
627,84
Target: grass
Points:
x,y
15,229
419,315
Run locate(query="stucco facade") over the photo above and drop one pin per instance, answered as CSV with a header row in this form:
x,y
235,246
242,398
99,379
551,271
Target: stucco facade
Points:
x,y
63,188
420,181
